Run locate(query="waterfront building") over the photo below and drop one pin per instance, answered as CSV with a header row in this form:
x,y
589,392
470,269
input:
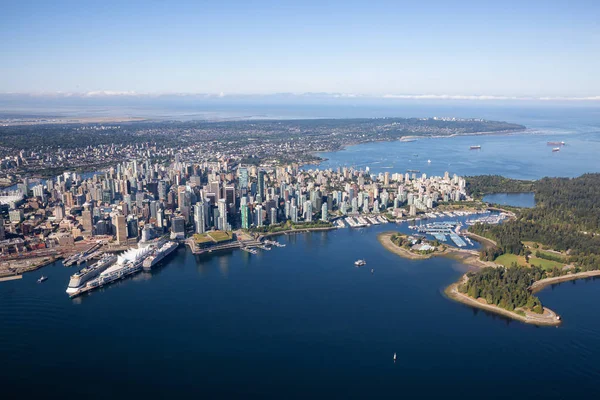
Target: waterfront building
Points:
x,y
87,220
178,227
413,210
121,228
132,227
308,211
258,216
222,221
199,217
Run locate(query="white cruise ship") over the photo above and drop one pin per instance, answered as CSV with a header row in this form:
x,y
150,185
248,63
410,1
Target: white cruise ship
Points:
x,y
159,254
80,278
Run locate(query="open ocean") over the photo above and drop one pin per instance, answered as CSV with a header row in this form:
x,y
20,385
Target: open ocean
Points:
x,y
302,321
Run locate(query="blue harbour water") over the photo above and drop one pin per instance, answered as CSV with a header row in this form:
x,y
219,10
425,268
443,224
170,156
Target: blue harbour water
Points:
x,y
301,321
525,200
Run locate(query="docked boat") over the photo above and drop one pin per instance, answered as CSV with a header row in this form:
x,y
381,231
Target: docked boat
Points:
x,y
127,264
42,279
159,255
475,147
79,279
360,263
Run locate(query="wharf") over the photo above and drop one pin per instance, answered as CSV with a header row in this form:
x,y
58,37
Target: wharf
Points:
x,y
457,240
240,244
90,288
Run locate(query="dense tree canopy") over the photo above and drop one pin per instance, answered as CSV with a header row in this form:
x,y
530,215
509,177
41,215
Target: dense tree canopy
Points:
x,y
566,217
505,287
478,186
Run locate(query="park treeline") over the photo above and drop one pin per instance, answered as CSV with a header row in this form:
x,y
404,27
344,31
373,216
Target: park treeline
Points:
x,y
566,218
289,225
478,186
507,288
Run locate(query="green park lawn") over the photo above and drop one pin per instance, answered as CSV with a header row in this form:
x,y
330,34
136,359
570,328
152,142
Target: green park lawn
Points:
x,y
508,259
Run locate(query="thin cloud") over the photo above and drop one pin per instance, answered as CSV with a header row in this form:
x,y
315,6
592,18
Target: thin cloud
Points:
x,y
440,97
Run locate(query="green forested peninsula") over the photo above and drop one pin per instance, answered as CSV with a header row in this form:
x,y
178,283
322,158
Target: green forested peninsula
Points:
x,y
566,218
505,288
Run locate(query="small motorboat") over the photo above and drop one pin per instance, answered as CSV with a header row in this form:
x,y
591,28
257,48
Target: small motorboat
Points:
x,y
360,263
394,357
42,279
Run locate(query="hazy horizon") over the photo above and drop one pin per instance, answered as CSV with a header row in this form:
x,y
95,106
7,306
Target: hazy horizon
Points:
x,y
433,49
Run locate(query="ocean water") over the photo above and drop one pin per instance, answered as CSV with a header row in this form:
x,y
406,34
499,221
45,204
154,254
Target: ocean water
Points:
x,y
302,321
295,322
524,155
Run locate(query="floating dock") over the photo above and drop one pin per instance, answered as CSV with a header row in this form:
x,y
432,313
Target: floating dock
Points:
x,y
457,240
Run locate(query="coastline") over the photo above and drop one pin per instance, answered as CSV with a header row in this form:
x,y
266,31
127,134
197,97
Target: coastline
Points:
x,y
29,265
543,283
320,159
548,318
302,230
471,258
468,257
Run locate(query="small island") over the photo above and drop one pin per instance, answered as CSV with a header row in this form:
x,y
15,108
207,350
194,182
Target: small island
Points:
x,y
412,247
419,248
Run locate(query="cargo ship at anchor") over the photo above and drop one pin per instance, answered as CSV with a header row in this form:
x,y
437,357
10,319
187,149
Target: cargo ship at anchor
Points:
x,y
79,279
556,143
159,254
477,147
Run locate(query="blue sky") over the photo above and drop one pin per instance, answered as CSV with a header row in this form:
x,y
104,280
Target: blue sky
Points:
x,y
500,48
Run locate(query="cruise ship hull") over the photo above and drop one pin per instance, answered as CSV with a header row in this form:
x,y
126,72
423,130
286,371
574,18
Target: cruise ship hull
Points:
x,y
79,279
161,253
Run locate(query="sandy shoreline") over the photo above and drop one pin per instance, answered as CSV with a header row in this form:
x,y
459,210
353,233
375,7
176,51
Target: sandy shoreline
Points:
x,y
548,318
471,257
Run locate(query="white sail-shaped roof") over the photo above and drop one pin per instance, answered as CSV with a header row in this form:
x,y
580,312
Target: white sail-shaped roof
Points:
x,y
128,256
